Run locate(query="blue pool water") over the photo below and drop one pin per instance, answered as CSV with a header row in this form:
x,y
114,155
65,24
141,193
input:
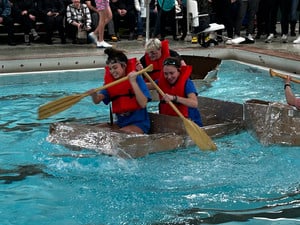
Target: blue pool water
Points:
x,y
42,183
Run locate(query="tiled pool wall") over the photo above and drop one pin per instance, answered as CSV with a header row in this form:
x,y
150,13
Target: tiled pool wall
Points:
x,y
51,76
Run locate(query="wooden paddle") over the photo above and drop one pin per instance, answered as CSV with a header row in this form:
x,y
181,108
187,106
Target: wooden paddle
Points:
x,y
283,76
64,103
197,134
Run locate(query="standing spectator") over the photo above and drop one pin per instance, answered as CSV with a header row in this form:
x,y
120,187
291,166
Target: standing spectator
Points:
x,y
297,41
52,14
139,7
261,18
105,15
78,19
247,8
7,20
91,4
293,16
166,11
284,6
24,12
124,10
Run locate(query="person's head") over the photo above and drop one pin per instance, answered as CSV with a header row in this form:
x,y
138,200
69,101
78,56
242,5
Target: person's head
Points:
x,y
153,48
76,3
171,69
116,61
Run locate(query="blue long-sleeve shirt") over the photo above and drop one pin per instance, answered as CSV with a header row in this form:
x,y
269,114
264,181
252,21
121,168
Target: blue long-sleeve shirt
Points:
x,y
5,8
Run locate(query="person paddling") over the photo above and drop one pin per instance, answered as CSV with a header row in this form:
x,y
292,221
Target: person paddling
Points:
x,y
129,98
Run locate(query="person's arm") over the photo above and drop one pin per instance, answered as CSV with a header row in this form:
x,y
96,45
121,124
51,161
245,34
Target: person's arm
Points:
x,y
140,97
96,97
289,95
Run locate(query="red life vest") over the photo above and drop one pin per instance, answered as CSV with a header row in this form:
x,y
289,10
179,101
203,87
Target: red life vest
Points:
x,y
178,89
122,95
158,64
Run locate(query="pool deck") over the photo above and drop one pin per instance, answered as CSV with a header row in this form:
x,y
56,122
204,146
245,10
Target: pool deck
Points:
x,y
37,57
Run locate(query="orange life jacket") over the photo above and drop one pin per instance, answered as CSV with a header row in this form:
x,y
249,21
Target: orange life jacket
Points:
x,y
178,89
158,64
122,95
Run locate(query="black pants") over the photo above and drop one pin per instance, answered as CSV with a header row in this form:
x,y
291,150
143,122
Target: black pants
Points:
x,y
53,23
9,26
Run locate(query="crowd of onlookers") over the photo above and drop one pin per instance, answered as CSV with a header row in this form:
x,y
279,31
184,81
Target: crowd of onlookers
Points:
x,y
76,19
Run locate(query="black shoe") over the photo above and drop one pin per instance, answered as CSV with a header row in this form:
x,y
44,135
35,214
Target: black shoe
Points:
x,y
12,43
175,38
49,42
131,36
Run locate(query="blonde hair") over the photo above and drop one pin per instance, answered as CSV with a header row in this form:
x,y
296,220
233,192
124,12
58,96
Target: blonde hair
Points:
x,y
152,44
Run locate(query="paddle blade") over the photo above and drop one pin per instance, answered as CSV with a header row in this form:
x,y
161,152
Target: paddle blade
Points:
x,y
58,106
199,136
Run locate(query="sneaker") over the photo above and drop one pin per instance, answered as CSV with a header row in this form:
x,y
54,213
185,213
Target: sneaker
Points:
x,y
269,38
228,42
103,44
140,38
34,34
114,38
249,37
297,41
26,39
284,38
92,37
194,40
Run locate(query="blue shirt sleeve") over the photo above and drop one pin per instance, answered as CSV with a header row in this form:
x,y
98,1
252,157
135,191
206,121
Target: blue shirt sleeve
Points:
x,y
190,88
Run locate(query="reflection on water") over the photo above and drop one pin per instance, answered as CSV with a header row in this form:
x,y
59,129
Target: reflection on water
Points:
x,y
242,182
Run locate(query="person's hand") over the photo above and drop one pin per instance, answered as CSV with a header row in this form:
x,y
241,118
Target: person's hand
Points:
x,y
1,19
91,92
139,66
288,79
168,97
32,17
132,76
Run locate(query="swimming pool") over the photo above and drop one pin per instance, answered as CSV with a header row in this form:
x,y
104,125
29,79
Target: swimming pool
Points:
x,y
41,183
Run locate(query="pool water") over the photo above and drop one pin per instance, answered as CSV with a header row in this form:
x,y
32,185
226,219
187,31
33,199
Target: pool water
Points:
x,y
42,183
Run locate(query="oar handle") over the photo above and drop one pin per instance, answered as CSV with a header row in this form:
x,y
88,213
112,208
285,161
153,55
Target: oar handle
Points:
x,y
162,93
283,76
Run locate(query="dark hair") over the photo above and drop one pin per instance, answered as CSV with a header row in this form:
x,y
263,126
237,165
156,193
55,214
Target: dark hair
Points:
x,y
115,56
173,61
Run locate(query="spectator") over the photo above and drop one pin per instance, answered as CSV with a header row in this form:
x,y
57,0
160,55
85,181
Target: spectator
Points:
x,y
293,16
140,14
79,20
52,14
105,15
153,16
166,12
297,41
91,4
24,12
261,18
124,10
7,20
284,6
248,9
